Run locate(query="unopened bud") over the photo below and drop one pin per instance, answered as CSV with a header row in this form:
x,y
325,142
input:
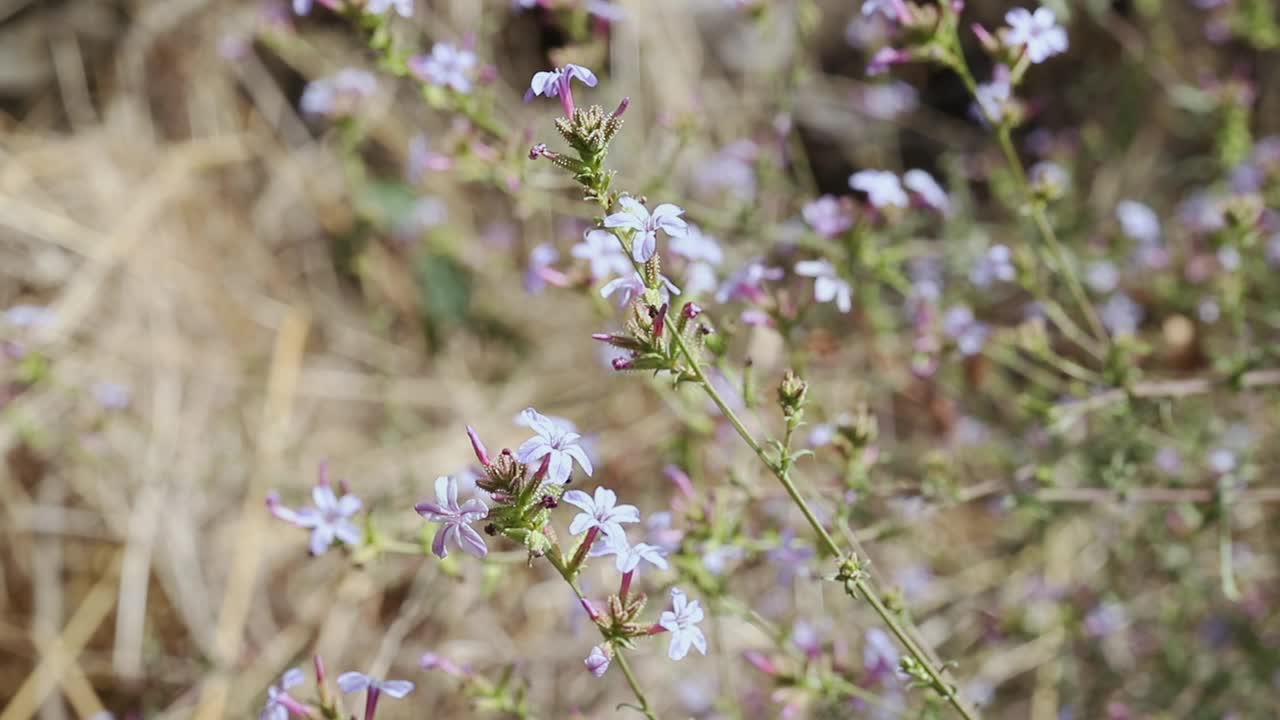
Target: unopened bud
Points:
x,y
478,447
792,392
622,108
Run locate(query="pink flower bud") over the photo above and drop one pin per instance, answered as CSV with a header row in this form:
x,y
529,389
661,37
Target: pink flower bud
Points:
x,y
478,447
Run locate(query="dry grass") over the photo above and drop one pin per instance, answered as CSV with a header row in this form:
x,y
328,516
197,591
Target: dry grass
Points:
x,y
177,216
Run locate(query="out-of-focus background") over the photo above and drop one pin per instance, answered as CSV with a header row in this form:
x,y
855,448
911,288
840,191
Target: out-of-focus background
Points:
x,y
208,295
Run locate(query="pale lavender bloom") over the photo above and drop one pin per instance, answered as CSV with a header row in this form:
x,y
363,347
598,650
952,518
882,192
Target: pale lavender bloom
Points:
x,y
1049,178
1106,619
1121,315
828,286
747,283
994,97
887,101
455,519
627,557
327,520
961,326
338,95
930,192
598,661
829,216
995,264
28,316
808,637
1138,221
892,9
600,512
540,259
1209,311
554,442
1168,460
1038,31
1229,258
732,169
882,187
302,7
659,528
1221,460
350,682
718,558
699,278
682,622
636,217
695,246
112,395
557,83
279,702
446,66
606,11
1101,276
791,557
404,8
602,250
879,656
633,286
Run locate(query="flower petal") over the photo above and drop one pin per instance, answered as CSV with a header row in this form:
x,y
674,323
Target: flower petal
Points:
x,y
396,688
471,541
352,682
291,677
584,462
582,500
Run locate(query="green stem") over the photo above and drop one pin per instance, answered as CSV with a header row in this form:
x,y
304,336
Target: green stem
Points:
x,y
556,558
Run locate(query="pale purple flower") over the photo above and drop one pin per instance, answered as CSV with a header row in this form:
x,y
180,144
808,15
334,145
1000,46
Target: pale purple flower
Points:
x,y
879,656
1106,619
1221,460
828,286
995,265
606,11
600,512
327,520
403,8
885,58
554,442
28,316
1121,315
557,83
455,519
350,682
829,216
632,286
598,661
748,283
1049,178
627,557
961,326
930,192
541,258
882,187
892,9
887,101
695,246
1209,311
994,98
1229,258
279,703
717,559
1138,221
338,95
1101,276
447,66
302,7
731,169
1038,31
700,278
636,217
435,661
682,622
112,395
602,250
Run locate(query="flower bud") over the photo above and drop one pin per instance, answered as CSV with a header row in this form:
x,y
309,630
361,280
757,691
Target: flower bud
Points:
x,y
791,393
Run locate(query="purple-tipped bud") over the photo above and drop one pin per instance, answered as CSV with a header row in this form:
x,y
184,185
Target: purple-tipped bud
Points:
x,y
319,664
598,661
989,41
478,447
549,502
660,322
760,661
691,310
432,661
622,108
322,474
621,363
539,150
680,479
